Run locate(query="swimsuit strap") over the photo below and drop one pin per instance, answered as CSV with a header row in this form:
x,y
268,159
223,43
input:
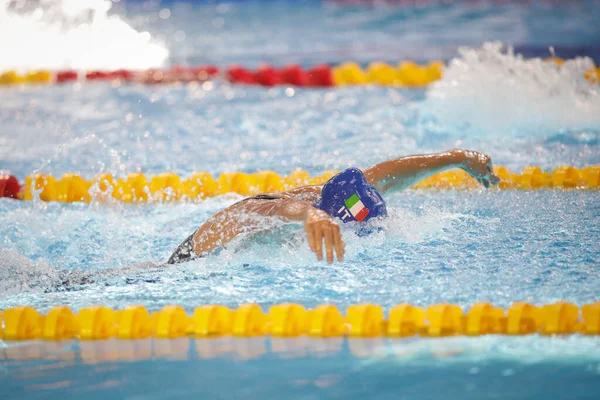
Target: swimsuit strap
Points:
x,y
264,197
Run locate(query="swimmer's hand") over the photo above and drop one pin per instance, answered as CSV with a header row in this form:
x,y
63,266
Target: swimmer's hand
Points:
x,y
319,227
478,165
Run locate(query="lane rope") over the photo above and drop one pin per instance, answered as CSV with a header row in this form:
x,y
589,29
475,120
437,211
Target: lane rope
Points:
x,y
405,74
291,320
166,187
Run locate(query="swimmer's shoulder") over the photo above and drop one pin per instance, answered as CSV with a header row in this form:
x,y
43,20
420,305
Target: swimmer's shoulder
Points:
x,y
308,193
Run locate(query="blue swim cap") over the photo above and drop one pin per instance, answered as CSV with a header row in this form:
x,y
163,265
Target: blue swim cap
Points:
x,y
349,197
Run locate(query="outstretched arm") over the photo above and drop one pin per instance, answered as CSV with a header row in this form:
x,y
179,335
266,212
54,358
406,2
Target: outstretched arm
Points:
x,y
245,217
401,173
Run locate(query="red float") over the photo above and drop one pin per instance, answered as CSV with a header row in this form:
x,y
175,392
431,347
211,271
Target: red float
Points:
x,y
122,74
267,76
320,75
192,74
9,186
205,72
154,76
237,74
294,75
177,73
66,76
97,75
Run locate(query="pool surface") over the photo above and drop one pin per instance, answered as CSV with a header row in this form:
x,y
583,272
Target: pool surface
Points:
x,y
459,247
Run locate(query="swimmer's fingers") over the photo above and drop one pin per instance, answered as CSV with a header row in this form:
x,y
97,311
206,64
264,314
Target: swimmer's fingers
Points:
x,y
320,227
310,232
318,241
338,242
315,240
490,179
328,234
494,179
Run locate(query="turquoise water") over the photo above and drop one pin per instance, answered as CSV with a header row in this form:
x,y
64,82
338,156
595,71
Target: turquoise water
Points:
x,y
436,247
462,368
452,246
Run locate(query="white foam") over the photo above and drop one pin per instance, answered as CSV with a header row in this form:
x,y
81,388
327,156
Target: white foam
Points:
x,y
18,274
77,34
416,228
492,91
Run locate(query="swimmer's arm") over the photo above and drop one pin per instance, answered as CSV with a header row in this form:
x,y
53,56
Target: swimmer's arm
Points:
x,y
244,217
401,173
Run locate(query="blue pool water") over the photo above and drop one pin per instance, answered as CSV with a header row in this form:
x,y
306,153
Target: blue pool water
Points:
x,y
453,246
483,368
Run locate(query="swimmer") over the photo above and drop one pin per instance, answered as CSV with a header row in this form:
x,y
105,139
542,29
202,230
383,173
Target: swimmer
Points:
x,y
353,195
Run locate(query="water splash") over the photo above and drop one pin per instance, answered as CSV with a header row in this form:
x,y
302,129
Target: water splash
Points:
x,y
492,91
120,250
18,274
78,34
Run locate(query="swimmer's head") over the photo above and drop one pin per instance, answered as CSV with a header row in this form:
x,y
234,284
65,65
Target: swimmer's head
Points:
x,y
349,197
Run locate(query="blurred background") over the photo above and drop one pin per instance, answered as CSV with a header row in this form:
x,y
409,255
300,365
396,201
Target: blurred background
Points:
x,y
105,34
488,90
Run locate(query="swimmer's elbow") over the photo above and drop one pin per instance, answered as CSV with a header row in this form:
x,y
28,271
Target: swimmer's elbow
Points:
x,y
293,209
394,184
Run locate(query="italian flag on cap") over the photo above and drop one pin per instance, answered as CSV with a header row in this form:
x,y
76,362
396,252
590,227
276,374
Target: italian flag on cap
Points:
x,y
357,208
